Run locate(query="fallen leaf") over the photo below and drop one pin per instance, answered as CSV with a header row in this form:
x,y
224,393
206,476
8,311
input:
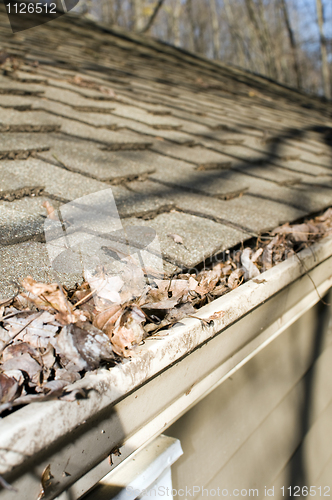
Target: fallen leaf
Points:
x,y
50,338
45,481
167,294
235,279
6,302
8,388
90,84
192,283
106,319
82,349
180,312
40,332
216,315
116,452
106,287
227,270
219,290
255,256
267,256
128,331
298,232
92,344
178,239
52,298
50,210
23,362
251,270
208,280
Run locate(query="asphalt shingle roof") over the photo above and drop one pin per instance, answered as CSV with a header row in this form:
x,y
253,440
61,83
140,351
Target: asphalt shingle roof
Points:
x,y
189,147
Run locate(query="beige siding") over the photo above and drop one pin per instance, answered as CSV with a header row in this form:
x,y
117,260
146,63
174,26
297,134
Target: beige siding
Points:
x,y
314,454
270,422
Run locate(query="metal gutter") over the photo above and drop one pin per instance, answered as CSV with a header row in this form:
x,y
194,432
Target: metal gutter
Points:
x,y
137,474
134,402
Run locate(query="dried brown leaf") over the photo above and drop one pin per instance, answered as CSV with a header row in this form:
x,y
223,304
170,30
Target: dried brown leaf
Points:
x,y
64,376
251,270
167,294
6,302
48,358
104,320
41,331
50,210
68,352
128,331
82,347
217,315
18,349
267,256
46,479
90,84
208,280
327,216
180,312
219,290
23,362
227,270
92,344
9,388
51,298
18,324
106,288
255,256
298,232
235,279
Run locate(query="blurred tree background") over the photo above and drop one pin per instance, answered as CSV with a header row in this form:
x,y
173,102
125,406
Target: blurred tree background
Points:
x,y
286,40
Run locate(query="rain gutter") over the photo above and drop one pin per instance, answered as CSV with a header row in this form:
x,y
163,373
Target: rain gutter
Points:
x,y
132,403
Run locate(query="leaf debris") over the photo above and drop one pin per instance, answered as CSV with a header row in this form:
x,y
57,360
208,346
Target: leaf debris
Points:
x,y
50,336
45,481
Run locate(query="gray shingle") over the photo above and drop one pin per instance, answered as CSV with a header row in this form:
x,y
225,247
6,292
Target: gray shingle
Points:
x,y
115,166
228,184
197,155
22,219
28,259
253,214
56,181
201,237
15,121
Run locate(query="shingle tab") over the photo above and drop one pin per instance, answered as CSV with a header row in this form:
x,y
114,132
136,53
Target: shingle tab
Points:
x,y
28,259
55,181
201,237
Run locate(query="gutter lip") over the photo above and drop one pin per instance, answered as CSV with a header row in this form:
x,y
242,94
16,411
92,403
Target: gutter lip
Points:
x,y
20,431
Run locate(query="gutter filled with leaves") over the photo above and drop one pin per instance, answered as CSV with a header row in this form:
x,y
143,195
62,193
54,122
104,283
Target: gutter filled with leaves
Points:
x,y
50,337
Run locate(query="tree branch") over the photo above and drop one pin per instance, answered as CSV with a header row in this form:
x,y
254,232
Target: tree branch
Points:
x,y
292,42
323,51
153,16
